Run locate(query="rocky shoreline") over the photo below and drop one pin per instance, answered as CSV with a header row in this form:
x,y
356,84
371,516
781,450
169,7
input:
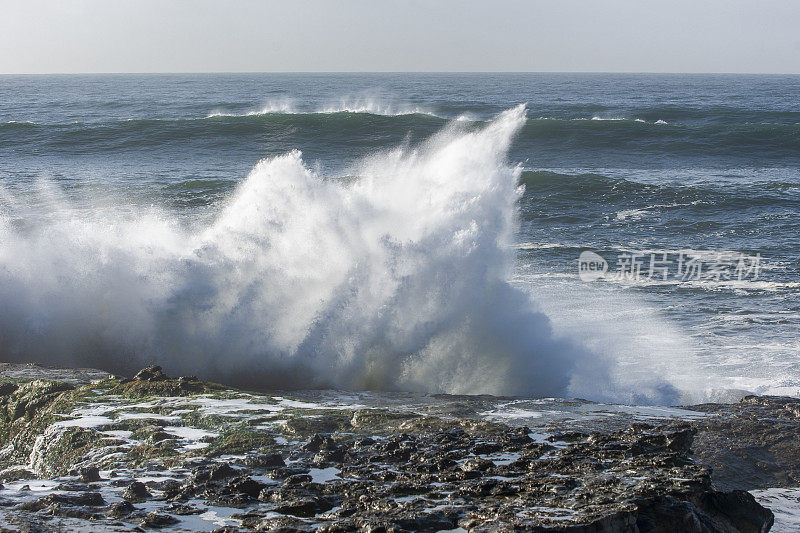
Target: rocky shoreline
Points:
x,y
83,450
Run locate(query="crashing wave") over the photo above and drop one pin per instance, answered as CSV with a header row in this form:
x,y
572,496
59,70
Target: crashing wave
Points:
x,y
396,280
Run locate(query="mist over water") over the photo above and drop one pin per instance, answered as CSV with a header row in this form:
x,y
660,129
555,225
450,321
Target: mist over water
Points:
x,y
394,279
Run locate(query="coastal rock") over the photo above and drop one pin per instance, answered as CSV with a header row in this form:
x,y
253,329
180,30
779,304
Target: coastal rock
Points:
x,y
157,520
59,448
150,373
90,474
151,381
136,492
24,402
304,507
271,460
752,443
120,509
88,499
186,453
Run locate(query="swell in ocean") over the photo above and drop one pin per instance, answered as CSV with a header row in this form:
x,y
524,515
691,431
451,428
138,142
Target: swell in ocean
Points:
x,y
773,140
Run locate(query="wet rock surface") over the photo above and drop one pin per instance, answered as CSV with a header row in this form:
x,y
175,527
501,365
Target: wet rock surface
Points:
x,y
752,444
153,452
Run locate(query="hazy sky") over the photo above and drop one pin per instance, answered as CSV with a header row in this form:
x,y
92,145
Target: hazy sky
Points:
x,y
388,35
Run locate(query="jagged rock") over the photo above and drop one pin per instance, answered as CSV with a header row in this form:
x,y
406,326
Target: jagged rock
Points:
x,y
182,509
271,460
739,508
482,448
303,425
152,381
88,499
157,520
90,474
384,472
29,399
241,440
751,444
681,441
246,486
16,473
321,442
55,451
337,455
477,463
304,507
379,418
221,472
735,511
120,509
136,491
283,525
297,479
150,373
159,436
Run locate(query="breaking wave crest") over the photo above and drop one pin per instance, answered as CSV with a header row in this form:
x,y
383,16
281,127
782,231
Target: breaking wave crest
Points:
x,y
394,280
369,106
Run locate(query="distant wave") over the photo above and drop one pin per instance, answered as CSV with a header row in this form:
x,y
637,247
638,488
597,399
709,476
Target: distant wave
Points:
x,y
597,118
640,212
738,286
540,245
673,139
17,124
138,133
593,187
365,106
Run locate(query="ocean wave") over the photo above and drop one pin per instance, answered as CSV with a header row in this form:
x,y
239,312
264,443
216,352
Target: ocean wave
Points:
x,y
632,214
735,142
743,286
642,212
357,106
648,198
397,280
540,245
17,124
200,132
597,118
200,184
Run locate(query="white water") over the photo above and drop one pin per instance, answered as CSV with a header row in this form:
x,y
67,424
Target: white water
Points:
x,y
397,280
364,104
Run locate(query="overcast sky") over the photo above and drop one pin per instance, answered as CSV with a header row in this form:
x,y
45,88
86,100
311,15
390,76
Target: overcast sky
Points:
x,y
388,35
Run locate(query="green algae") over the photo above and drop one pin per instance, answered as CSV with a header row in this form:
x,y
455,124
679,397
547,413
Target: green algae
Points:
x,y
164,388
239,440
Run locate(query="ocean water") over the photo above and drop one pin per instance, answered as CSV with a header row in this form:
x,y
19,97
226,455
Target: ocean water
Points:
x,y
415,232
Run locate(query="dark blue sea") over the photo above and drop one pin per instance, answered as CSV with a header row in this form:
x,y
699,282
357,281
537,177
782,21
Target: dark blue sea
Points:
x,y
415,232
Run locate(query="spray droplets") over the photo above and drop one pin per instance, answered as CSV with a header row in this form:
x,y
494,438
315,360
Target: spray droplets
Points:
x,y
395,281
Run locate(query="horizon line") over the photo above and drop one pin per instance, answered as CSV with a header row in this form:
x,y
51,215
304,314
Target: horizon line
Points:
x,y
630,72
